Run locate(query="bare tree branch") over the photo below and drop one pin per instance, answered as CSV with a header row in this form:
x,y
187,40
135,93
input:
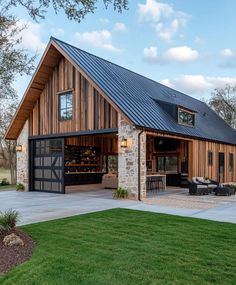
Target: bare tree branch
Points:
x,y
223,101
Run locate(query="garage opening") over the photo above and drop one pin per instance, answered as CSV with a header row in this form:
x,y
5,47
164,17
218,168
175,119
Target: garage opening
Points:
x,y
91,163
72,164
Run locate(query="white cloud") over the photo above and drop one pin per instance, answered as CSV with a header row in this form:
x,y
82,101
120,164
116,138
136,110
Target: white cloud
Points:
x,y
198,84
154,11
150,54
181,54
58,32
104,21
165,20
227,52
99,39
31,36
120,27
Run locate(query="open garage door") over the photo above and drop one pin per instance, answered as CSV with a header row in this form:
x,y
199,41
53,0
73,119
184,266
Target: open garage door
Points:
x,y
47,165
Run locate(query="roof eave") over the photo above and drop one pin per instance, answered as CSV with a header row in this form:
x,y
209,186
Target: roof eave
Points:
x,y
9,133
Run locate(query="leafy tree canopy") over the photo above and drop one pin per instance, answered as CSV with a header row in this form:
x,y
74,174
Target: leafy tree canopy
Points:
x,y
74,9
13,59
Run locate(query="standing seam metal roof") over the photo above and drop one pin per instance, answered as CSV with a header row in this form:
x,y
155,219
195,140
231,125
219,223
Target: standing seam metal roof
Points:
x,y
136,96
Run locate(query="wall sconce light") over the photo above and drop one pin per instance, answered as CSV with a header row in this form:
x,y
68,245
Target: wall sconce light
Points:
x,y
19,148
123,142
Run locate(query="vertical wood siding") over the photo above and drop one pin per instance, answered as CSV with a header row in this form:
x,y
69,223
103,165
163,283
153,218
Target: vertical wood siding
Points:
x,y
90,110
198,157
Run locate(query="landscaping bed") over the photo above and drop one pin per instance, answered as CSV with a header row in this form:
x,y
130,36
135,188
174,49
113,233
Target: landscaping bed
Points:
x,y
10,256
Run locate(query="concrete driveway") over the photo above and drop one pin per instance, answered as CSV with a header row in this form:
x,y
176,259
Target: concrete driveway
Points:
x,y
36,207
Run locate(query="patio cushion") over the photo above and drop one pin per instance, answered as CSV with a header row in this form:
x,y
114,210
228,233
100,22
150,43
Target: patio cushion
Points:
x,y
194,179
212,185
201,179
201,186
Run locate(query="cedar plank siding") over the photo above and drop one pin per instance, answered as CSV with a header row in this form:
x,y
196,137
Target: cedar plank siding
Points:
x,y
90,110
198,157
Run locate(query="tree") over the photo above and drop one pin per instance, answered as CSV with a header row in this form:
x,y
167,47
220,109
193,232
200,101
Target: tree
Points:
x,y
223,101
8,148
13,59
74,9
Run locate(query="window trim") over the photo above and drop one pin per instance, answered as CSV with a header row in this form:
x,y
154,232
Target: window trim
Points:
x,y
189,112
59,94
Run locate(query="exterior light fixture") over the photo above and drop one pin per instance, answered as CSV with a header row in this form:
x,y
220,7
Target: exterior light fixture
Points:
x,y
19,148
123,142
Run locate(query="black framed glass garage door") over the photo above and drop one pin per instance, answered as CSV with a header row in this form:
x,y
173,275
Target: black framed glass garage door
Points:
x,y
47,165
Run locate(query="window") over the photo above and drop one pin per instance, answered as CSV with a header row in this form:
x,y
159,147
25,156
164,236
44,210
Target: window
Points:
x,y
231,162
65,106
186,118
167,164
210,158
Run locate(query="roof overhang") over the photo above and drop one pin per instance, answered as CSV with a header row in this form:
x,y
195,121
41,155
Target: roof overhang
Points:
x,y
45,68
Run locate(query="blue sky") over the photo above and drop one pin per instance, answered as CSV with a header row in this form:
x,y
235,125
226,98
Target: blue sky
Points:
x,y
186,44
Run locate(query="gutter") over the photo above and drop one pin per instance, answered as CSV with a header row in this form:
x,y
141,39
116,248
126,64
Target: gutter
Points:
x,y
139,165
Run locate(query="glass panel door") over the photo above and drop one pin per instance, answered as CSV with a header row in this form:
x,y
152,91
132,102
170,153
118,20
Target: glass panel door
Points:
x,y
47,165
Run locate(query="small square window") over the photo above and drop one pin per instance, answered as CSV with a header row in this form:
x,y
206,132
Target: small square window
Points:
x,y
65,106
186,118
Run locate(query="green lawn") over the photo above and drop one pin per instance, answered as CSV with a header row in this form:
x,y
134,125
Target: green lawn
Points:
x,y
7,187
129,247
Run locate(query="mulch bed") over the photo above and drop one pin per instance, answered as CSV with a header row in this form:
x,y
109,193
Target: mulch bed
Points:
x,y
15,255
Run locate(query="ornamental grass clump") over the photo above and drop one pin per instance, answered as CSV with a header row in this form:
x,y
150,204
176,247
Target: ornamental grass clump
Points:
x,y
8,220
120,193
20,187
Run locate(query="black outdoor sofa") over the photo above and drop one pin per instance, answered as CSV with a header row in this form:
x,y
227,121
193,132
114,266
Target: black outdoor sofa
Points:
x,y
207,186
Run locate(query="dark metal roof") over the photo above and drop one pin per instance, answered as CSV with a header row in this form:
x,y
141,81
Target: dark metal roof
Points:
x,y
137,97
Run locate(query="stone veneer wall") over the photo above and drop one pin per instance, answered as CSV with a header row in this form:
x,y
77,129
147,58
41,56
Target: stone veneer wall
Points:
x,y
22,158
128,158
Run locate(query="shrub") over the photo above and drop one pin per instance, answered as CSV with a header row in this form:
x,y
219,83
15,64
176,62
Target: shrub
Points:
x,y
4,182
20,187
8,220
120,193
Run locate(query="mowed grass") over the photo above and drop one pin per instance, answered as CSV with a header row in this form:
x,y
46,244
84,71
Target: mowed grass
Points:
x,y
129,247
7,187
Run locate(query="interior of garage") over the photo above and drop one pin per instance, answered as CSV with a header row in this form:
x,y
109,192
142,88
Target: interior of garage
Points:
x,y
90,163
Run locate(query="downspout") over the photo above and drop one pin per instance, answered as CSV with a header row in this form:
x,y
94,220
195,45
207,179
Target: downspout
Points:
x,y
139,166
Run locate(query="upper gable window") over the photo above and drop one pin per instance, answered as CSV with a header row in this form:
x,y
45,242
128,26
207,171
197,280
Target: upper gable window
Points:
x,y
65,106
186,117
